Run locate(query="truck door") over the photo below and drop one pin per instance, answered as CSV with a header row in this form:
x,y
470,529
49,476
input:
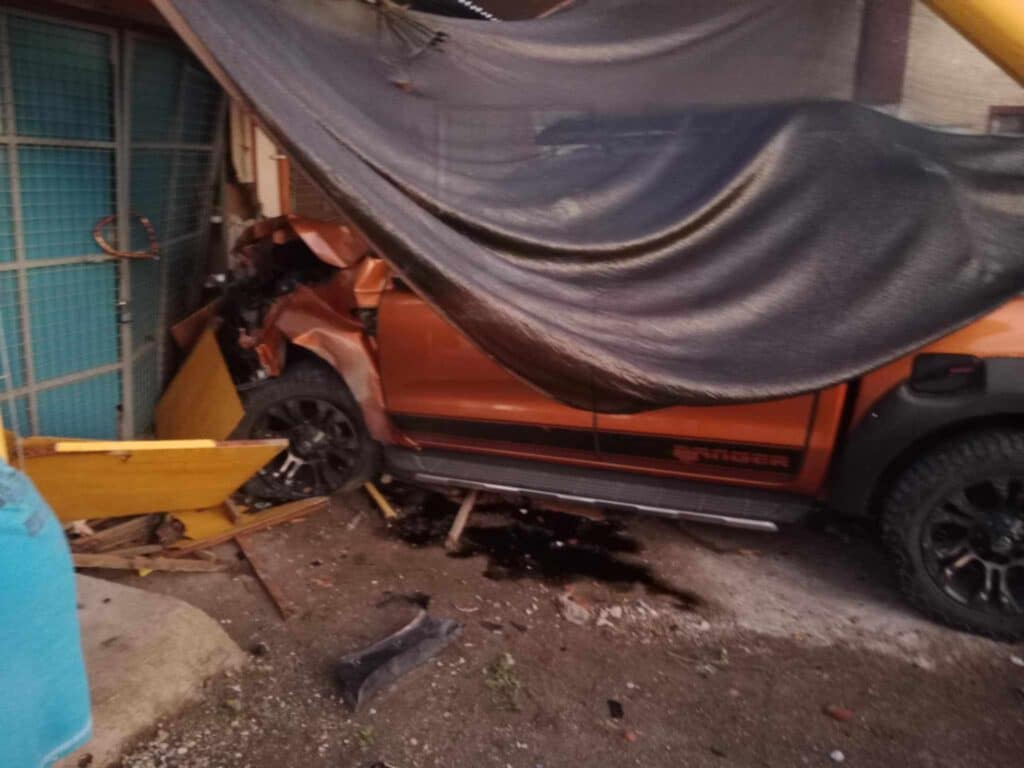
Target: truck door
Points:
x,y
783,443
442,391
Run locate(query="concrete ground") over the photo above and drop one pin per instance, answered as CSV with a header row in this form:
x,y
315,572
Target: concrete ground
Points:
x,y
626,642
147,656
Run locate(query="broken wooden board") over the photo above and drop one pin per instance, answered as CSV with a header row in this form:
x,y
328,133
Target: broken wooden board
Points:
x,y
208,528
201,401
203,524
143,563
117,535
261,568
109,479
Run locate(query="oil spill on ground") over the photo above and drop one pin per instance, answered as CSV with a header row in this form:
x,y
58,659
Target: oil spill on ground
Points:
x,y
555,547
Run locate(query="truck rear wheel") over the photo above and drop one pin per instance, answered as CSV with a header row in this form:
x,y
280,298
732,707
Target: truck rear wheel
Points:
x,y
954,522
328,450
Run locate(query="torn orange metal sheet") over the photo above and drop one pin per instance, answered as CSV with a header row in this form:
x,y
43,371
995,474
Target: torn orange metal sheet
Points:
x,y
334,243
308,320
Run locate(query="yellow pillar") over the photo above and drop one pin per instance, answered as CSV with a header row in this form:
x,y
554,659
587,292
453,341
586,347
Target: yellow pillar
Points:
x,y
994,26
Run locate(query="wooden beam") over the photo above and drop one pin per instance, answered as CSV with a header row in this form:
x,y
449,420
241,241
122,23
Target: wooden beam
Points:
x,y
461,518
285,607
117,534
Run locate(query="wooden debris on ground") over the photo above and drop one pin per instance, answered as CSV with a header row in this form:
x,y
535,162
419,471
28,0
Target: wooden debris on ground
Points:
x,y
120,533
131,505
382,503
284,606
179,542
461,518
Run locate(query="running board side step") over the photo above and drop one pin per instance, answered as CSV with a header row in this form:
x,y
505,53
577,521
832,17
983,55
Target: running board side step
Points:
x,y
753,509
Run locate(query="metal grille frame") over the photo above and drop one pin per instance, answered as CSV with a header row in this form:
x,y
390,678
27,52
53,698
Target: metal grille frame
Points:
x,y
36,392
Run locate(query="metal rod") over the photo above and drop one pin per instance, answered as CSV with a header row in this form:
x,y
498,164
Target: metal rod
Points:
x,y
122,60
18,227
60,381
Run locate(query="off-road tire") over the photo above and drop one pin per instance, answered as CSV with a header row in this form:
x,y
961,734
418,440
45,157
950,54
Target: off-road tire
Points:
x,y
303,380
932,478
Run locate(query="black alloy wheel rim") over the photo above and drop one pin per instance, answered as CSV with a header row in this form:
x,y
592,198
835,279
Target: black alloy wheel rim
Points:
x,y
973,545
323,446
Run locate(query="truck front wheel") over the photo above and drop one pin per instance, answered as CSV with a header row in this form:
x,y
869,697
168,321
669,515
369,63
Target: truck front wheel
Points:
x,y
954,521
328,447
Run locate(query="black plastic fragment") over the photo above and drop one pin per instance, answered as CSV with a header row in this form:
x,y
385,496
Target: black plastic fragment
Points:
x,y
363,673
615,709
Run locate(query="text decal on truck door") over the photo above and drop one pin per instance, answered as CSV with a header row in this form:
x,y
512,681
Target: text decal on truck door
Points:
x,y
779,460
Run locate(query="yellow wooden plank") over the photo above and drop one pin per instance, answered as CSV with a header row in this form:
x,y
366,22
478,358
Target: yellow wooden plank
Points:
x,y
122,482
205,523
201,400
102,446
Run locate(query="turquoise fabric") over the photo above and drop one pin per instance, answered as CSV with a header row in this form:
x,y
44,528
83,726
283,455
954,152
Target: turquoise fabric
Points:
x,y
44,707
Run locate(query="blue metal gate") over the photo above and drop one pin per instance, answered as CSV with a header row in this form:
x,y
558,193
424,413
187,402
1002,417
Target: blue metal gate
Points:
x,y
95,122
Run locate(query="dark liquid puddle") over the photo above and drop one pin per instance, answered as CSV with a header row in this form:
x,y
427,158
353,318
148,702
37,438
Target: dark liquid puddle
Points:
x,y
555,547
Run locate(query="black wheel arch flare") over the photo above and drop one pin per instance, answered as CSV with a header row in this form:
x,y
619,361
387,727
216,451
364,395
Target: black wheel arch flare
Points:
x,y
905,421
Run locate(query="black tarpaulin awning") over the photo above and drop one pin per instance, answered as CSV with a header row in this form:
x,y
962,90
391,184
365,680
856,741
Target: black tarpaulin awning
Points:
x,y
635,203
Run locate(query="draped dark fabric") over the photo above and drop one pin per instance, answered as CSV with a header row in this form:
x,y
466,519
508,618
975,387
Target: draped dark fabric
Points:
x,y
636,203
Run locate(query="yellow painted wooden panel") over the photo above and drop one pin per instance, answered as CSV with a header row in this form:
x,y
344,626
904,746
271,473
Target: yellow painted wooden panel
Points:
x,y
99,446
201,400
205,523
157,479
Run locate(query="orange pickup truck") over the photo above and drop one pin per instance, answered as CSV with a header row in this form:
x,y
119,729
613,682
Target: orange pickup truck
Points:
x,y
361,375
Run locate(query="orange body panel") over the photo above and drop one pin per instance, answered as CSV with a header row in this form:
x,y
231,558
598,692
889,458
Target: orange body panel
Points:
x,y
997,334
807,424
422,382
431,369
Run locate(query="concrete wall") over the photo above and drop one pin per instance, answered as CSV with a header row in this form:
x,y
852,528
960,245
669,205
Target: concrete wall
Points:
x,y
948,81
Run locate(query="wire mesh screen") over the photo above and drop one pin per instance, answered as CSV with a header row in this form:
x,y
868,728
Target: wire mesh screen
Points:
x,y
82,335
175,111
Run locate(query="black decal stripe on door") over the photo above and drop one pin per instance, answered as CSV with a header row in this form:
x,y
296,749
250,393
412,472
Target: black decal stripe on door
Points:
x,y
686,451
526,434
